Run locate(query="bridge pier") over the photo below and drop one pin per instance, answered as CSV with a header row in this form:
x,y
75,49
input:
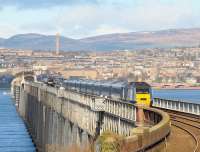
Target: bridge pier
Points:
x,y
140,116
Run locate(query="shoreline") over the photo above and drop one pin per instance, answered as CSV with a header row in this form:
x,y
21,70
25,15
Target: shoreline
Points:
x,y
173,88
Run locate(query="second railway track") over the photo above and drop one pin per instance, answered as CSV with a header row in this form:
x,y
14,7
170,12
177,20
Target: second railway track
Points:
x,y
191,126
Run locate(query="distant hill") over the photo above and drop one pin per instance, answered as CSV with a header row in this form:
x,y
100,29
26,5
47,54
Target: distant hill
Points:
x,y
40,42
1,41
134,40
153,39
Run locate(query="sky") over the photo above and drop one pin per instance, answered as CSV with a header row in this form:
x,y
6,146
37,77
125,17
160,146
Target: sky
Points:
x,y
85,18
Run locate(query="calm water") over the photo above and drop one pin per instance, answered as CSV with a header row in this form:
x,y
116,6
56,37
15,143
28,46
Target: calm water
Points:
x,y
13,134
178,94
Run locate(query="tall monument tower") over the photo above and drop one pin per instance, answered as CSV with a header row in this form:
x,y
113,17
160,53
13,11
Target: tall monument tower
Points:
x,y
57,43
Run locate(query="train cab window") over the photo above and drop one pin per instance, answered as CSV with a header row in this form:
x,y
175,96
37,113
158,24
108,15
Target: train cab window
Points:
x,y
142,90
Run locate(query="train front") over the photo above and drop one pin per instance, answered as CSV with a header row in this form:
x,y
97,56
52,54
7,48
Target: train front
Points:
x,y
143,93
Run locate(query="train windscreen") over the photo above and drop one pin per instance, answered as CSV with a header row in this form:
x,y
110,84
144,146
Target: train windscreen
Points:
x,y
142,90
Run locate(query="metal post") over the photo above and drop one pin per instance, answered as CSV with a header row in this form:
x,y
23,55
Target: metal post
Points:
x,y
198,109
192,108
167,104
160,102
184,107
99,124
119,126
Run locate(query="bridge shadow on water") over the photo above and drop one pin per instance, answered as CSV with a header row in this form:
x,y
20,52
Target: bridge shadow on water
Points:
x,y
13,134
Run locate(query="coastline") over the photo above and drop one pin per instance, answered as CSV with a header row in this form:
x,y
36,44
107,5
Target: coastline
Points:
x,y
174,88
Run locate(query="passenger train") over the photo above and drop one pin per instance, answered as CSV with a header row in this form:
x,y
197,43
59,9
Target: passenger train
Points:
x,y
134,92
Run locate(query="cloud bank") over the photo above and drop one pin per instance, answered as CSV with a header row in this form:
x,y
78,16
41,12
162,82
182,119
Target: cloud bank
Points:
x,y
37,4
83,18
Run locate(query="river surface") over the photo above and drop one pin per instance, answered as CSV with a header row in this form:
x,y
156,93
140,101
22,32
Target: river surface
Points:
x,y
188,95
13,134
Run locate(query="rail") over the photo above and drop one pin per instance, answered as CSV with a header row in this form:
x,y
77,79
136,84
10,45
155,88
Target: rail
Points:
x,y
190,126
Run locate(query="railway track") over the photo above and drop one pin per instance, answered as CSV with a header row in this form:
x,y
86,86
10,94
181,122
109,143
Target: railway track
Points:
x,y
185,120
190,125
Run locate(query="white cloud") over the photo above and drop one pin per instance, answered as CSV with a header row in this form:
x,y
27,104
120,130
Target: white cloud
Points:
x,y
7,30
107,29
102,19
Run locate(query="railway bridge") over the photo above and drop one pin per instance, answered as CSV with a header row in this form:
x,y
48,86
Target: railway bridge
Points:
x,y
65,120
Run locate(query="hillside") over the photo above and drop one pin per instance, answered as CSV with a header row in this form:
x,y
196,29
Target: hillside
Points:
x,y
134,40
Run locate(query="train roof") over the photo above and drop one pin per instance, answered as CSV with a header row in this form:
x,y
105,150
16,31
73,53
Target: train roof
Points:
x,y
113,83
140,84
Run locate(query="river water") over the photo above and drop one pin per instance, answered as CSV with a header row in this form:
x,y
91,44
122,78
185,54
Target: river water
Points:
x,y
188,95
13,134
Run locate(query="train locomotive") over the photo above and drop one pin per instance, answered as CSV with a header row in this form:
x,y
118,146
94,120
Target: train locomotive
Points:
x,y
134,92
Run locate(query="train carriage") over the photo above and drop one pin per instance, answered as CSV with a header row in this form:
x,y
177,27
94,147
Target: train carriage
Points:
x,y
97,88
118,91
106,90
90,87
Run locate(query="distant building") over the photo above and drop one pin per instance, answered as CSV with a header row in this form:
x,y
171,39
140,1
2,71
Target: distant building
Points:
x,y
57,43
40,67
87,73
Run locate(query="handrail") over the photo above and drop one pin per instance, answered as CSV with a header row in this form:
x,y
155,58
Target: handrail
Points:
x,y
175,105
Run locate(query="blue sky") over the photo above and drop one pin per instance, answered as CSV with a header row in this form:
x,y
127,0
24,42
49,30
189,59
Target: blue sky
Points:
x,y
84,18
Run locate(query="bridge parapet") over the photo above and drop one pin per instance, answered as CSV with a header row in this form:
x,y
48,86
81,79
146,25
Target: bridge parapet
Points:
x,y
181,106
